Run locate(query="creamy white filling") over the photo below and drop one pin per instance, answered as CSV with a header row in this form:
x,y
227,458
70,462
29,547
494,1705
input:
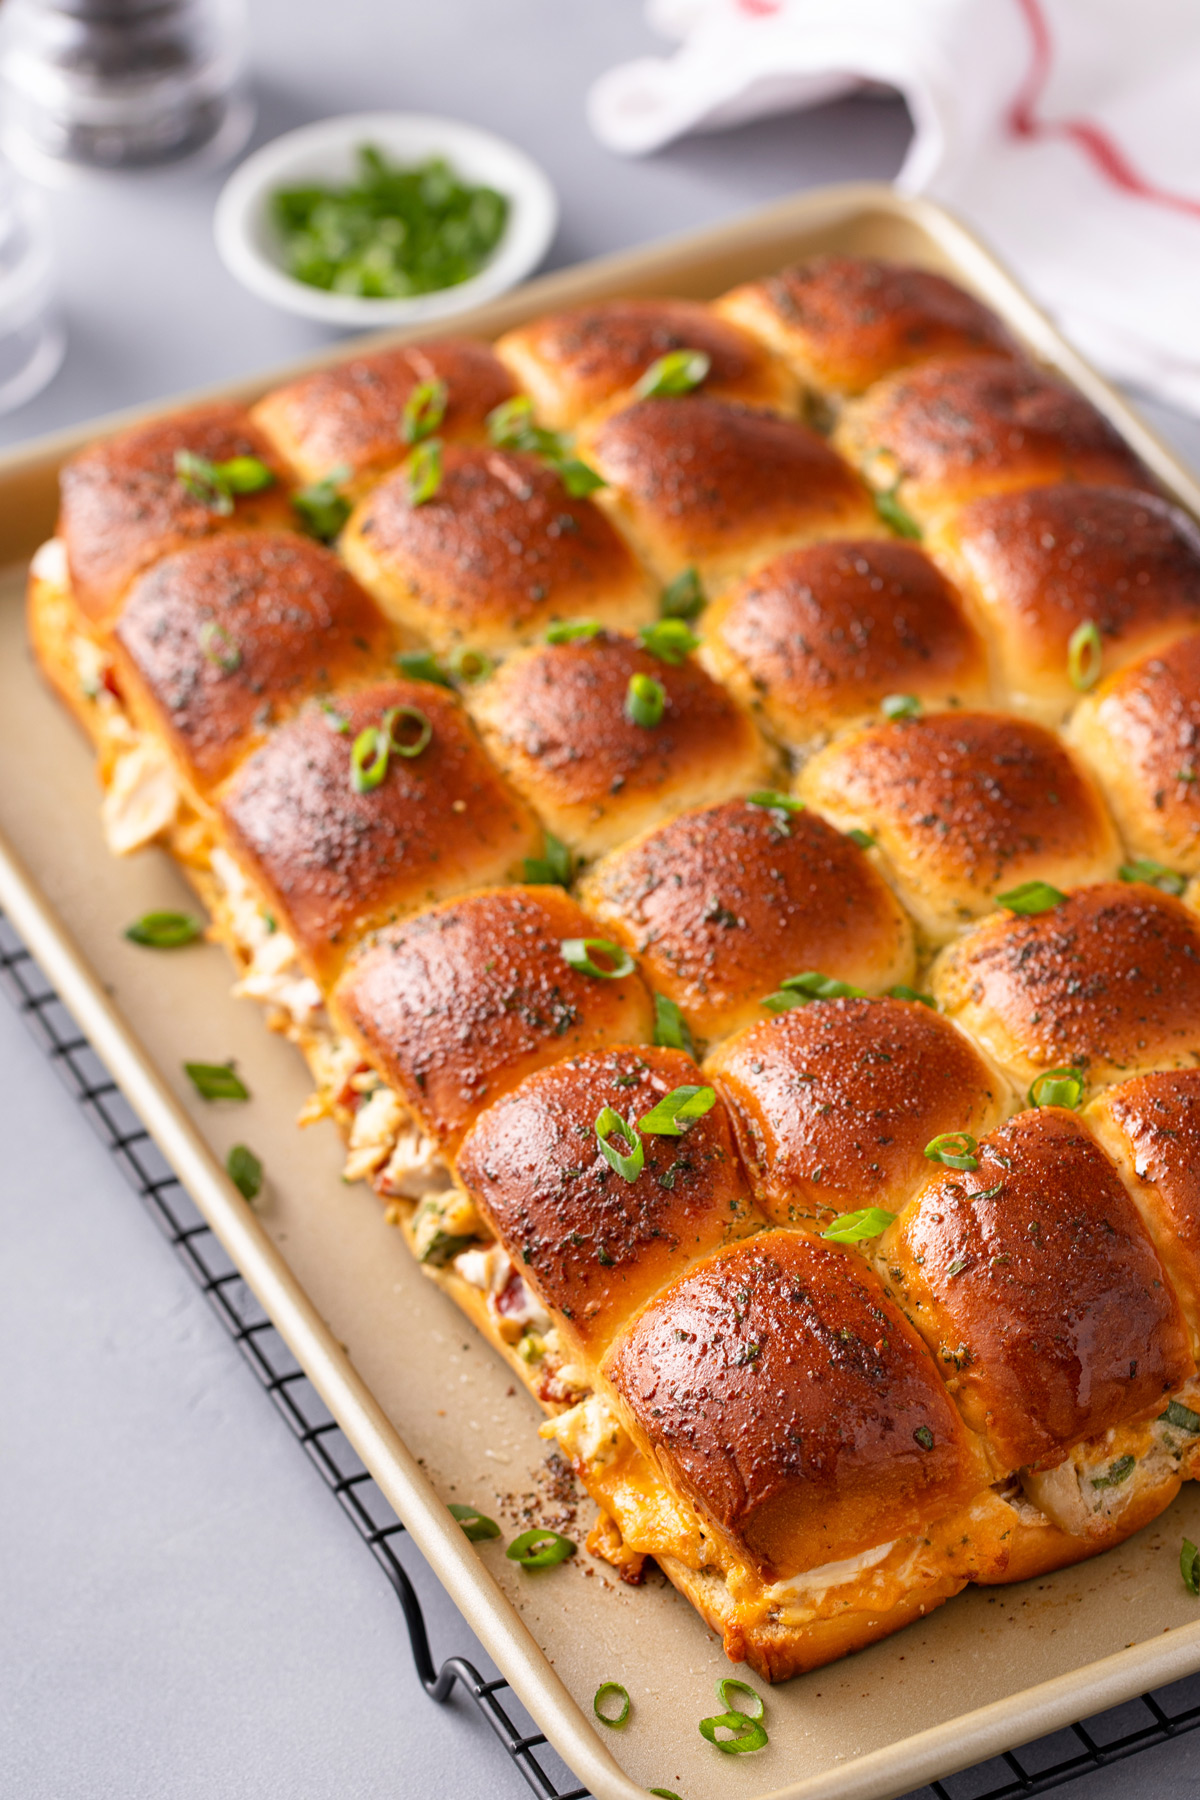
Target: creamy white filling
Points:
x,y
141,800
416,1167
814,1583
590,1433
49,563
491,1271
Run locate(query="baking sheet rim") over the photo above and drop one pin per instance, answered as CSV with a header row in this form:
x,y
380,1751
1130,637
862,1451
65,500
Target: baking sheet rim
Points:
x,y
893,1769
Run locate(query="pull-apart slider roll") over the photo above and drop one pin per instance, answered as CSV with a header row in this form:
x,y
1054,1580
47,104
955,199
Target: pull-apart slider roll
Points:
x,y
572,363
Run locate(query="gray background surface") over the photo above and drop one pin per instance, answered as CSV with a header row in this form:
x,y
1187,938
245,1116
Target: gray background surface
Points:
x,y
185,1614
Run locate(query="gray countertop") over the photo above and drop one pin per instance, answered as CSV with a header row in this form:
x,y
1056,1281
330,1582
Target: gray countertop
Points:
x,y
185,1612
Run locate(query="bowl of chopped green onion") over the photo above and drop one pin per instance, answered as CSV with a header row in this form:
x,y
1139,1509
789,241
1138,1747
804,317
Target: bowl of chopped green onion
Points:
x,y
384,219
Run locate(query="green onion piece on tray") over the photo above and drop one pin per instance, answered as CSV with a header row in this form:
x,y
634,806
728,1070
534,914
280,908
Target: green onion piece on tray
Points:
x,y
678,372
245,1171
216,1081
645,701
581,954
669,639
678,1110
683,598
165,930
424,411
746,1733
1155,874
854,1227
1085,656
540,1549
754,1711
605,1693
1058,1087
610,1124
956,1149
1189,1566
664,1793
478,1527
554,868
1030,898
670,1027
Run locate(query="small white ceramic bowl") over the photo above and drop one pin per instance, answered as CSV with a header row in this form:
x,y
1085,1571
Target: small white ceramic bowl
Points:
x,y
325,153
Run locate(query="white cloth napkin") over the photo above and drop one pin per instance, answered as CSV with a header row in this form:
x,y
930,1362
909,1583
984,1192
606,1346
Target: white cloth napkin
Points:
x,y
1067,132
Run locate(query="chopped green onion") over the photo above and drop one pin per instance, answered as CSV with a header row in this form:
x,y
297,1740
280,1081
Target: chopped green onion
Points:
x,y
853,1227
771,800
669,640
645,701
245,1171
424,471
1031,897
336,720
924,1437
1116,1473
511,427
676,1111
664,1793
1058,1087
554,868
470,665
407,715
578,479
540,1549
678,372
1156,874
1085,654
216,1081
214,484
609,1690
1189,1566
478,1527
628,1166
683,598
748,1734
573,631
424,411
901,992
510,424
798,990
219,647
900,706
896,516
321,508
863,839
368,759
164,930
581,954
956,1149
670,1027
728,1681
1182,1417
422,665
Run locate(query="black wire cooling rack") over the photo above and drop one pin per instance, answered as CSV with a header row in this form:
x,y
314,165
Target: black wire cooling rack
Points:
x,y
1039,1767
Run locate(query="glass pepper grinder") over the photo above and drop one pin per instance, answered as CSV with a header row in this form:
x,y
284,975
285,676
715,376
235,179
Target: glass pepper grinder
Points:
x,y
121,84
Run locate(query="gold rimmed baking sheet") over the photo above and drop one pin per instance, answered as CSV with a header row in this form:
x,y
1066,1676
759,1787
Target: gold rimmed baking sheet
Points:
x,y
431,1410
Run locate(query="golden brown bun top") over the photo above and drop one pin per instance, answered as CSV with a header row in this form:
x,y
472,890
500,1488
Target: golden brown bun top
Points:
x,y
708,478
956,427
335,862
786,1393
351,415
592,1244
980,800
123,505
574,361
824,633
724,903
500,548
1036,1283
833,1103
228,636
848,320
557,717
1150,715
1107,982
459,1004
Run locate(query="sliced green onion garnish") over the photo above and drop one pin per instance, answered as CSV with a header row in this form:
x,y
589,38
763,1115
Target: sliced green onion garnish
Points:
x,y
669,639
424,471
511,427
540,1549
470,665
771,800
510,423
678,372
424,411
956,1149
245,474
798,990
214,484
670,1027
336,721
478,1527
676,1111
245,1171
900,992
1155,874
1031,897
369,759
1189,1566
645,700
581,954
422,665
611,1690
1182,1417
164,930
900,706
216,1081
400,719
1085,654
573,631
924,1437
853,1227
863,839
1116,1473
683,598
1058,1087
664,1793
748,1734
554,868
219,647
578,479
755,1711
630,1165
322,510
896,516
